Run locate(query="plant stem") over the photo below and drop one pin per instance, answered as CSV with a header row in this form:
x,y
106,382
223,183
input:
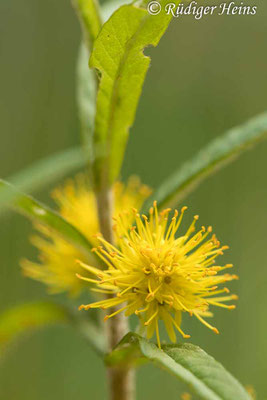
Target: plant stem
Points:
x,y
88,13
90,19
121,380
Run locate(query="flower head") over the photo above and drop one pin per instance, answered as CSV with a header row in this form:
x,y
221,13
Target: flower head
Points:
x,y
77,204
157,274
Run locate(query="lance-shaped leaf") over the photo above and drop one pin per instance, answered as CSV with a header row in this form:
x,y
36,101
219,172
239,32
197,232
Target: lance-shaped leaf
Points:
x,y
89,16
187,362
217,154
118,57
40,213
25,319
43,172
86,98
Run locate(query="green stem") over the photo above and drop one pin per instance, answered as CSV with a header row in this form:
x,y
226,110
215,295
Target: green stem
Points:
x,y
88,12
121,380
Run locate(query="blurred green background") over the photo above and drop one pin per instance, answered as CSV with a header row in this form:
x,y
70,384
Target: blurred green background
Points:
x,y
206,76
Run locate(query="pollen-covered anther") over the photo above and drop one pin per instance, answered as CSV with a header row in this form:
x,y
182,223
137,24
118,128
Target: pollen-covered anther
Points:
x,y
166,211
98,235
232,307
211,272
84,307
236,277
169,302
217,269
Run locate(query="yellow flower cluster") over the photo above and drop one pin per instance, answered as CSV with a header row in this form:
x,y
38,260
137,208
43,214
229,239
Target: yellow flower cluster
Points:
x,y
77,204
157,275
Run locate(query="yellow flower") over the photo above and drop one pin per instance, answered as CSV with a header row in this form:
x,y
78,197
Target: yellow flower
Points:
x,y
76,203
158,276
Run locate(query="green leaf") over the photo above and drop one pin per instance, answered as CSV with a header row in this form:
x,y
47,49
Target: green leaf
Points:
x,y
40,213
43,172
187,362
25,319
86,82
118,57
111,6
86,97
89,16
209,160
